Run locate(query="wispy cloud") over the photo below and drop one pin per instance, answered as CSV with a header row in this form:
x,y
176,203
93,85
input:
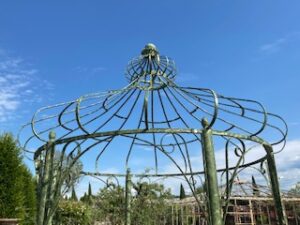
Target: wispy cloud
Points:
x,y
89,70
18,85
288,165
276,45
294,123
187,77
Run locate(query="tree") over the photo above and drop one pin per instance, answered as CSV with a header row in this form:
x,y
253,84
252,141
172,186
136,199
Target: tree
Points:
x,y
109,205
11,193
73,195
29,203
255,187
182,192
17,187
84,198
90,190
57,174
295,190
71,174
201,189
72,213
88,198
148,205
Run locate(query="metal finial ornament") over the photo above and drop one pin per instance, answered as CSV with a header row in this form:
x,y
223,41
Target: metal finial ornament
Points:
x,y
150,70
169,124
150,50
52,135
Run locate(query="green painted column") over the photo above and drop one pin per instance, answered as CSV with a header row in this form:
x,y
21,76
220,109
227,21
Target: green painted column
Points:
x,y
43,183
51,184
211,180
128,186
282,220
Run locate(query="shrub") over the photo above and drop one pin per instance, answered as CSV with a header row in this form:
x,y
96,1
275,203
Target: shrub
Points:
x,y
72,213
17,187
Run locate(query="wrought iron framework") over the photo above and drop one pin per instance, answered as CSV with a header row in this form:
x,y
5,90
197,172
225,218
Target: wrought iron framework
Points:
x,y
169,123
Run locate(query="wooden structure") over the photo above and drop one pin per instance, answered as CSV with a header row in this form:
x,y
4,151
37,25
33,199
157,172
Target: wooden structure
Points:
x,y
242,210
6,221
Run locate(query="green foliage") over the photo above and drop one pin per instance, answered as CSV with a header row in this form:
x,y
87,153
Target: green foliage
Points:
x,y
70,171
73,195
201,188
29,205
90,190
110,205
84,198
72,213
62,172
148,205
10,183
17,188
182,192
295,190
88,198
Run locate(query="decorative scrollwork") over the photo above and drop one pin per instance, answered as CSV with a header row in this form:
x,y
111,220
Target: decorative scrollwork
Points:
x,y
155,115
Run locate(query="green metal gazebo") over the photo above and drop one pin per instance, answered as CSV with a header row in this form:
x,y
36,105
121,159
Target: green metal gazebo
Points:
x,y
161,121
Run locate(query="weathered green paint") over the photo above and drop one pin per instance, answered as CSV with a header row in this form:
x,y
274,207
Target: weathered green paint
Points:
x,y
149,50
282,220
128,186
154,72
150,131
211,180
44,170
51,185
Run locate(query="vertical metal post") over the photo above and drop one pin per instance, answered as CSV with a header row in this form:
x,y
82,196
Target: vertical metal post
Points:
x,y
43,183
51,184
211,180
128,186
282,220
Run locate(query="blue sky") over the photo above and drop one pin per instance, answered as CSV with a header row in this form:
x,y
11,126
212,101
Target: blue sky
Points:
x,y
57,51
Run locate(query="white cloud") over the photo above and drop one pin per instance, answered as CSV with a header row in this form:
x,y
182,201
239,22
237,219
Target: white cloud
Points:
x,y
294,123
278,44
89,70
187,77
287,162
11,92
288,166
273,46
18,85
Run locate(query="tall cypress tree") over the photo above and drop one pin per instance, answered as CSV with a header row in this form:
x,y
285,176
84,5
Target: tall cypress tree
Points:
x,y
73,195
90,190
29,197
11,193
17,188
182,192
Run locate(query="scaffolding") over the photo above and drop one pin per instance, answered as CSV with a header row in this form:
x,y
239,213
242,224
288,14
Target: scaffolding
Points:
x,y
241,211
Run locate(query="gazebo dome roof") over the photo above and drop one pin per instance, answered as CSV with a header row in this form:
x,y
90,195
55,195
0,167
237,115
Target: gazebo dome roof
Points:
x,y
154,114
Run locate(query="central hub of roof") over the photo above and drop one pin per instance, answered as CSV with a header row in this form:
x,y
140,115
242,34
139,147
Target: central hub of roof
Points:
x,y
150,70
150,50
